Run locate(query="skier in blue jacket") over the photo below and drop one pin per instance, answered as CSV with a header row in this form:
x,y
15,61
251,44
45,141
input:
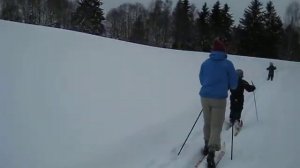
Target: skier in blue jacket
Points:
x,y
217,75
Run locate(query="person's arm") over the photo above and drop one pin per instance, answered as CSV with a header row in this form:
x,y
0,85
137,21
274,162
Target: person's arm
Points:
x,y
248,87
200,75
233,78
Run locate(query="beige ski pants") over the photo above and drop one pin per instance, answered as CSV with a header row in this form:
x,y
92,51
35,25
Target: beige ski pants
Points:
x,y
214,116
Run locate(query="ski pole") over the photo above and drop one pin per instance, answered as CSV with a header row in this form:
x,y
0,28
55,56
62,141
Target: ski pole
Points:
x,y
255,103
231,140
255,106
190,132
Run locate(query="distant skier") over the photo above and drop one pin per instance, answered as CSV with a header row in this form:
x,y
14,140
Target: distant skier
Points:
x,y
217,75
271,70
237,99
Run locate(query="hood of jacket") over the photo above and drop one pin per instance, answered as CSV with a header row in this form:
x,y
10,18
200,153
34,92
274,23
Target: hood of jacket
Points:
x,y
218,55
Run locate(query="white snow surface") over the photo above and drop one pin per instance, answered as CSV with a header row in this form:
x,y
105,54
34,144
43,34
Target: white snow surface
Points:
x,y
72,100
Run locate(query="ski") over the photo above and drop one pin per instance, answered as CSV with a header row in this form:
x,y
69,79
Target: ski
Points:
x,y
237,128
200,160
236,131
228,125
202,163
218,157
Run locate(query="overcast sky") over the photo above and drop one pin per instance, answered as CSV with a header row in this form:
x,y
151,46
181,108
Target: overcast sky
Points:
x,y
237,7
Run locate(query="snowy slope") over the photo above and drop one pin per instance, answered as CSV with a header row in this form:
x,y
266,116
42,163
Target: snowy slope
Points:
x,y
71,100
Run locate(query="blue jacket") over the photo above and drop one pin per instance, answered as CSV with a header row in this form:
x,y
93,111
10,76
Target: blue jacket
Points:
x,y
217,75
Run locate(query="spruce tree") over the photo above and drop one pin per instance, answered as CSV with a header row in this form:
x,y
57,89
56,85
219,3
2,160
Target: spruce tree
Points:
x,y
227,22
88,17
273,26
203,31
220,22
252,26
182,32
216,20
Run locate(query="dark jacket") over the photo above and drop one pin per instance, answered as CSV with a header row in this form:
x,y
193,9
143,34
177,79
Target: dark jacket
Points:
x,y
237,95
271,69
237,99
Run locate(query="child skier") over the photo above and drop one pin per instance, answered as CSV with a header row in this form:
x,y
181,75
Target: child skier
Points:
x,y
271,70
237,99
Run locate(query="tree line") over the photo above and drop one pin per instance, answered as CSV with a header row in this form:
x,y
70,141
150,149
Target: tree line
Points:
x,y
259,33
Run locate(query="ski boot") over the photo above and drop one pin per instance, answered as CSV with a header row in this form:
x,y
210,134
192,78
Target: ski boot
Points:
x,y
211,160
205,150
238,124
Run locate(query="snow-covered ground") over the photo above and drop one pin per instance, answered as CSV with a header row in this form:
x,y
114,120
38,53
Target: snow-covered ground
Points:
x,y
72,100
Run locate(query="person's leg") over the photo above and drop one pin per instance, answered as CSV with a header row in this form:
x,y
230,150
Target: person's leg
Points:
x,y
234,110
207,119
238,122
233,117
238,113
272,77
217,120
238,107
